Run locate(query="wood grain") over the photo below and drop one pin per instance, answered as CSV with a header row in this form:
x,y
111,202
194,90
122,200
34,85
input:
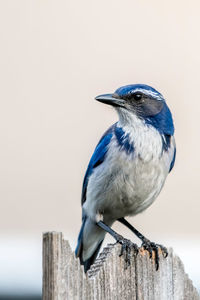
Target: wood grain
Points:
x,y
110,278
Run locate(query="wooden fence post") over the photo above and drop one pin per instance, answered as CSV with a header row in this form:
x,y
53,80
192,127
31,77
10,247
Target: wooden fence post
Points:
x,y
109,278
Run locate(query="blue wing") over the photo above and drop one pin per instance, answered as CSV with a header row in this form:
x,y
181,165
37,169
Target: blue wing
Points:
x,y
97,158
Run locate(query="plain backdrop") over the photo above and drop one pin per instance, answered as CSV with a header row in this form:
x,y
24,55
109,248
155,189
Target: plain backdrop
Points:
x,y
55,57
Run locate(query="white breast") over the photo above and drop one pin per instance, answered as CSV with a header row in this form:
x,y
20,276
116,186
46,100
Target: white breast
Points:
x,y
126,184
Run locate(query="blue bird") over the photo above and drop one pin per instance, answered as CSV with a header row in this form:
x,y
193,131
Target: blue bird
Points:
x,y
127,170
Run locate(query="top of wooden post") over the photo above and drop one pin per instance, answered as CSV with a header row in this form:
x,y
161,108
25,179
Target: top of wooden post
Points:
x,y
110,277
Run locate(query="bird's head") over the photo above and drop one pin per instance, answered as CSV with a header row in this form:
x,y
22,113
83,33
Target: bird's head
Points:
x,y
138,99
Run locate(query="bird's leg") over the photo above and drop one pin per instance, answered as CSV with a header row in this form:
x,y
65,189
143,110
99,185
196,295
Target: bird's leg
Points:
x,y
146,244
127,245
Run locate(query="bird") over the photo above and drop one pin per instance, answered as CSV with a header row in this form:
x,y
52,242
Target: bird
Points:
x,y
127,170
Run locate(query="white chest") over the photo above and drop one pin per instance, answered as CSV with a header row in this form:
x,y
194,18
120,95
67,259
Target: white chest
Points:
x,y
126,184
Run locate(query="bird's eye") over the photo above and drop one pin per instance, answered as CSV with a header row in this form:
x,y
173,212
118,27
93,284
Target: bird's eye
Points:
x,y
137,96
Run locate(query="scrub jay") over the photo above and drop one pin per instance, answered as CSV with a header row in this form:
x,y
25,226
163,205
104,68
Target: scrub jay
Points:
x,y
127,169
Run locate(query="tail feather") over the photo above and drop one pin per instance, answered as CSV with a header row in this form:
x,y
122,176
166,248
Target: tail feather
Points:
x,y
87,264
78,250
89,241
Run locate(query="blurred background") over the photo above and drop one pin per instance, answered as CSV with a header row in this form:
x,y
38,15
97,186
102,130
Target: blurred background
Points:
x,y
55,57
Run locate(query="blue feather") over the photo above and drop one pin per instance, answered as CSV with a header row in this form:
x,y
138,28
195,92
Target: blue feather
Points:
x,y
97,158
123,140
163,121
124,90
166,141
78,249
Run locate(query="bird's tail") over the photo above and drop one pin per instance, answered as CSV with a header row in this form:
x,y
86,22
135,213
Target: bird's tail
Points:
x,y
89,242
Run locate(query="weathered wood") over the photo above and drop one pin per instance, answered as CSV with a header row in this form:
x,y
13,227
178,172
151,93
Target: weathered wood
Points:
x,y
110,278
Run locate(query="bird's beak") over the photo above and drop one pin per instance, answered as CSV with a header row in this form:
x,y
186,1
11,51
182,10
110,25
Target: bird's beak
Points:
x,y
110,99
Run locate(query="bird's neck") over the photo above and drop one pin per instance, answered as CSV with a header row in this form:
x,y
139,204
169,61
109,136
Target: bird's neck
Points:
x,y
162,122
129,121
138,138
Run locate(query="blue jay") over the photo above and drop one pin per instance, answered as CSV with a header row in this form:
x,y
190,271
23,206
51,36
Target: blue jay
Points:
x,y
127,170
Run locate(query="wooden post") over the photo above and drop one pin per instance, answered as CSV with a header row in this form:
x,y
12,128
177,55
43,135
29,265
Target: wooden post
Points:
x,y
110,278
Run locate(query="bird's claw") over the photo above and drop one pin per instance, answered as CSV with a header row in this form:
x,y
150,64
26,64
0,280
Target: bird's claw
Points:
x,y
150,247
126,248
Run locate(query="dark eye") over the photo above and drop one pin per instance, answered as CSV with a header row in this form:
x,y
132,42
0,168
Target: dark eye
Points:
x,y
137,96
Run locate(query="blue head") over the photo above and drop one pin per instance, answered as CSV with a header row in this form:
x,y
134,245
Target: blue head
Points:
x,y
143,102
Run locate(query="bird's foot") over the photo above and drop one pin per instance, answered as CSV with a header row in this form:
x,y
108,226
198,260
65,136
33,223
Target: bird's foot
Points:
x,y
126,248
150,247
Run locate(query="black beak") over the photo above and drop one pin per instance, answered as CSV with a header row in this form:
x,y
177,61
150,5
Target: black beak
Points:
x,y
110,99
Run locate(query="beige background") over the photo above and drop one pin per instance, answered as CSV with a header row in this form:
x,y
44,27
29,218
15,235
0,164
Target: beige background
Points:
x,y
55,57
